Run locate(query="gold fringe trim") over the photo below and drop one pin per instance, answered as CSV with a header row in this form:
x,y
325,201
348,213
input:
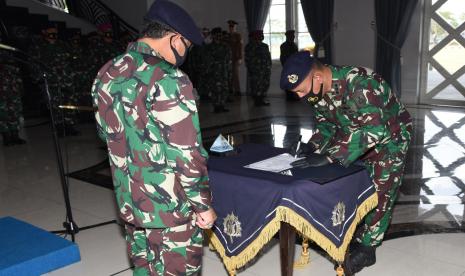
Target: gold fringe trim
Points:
x,y
285,214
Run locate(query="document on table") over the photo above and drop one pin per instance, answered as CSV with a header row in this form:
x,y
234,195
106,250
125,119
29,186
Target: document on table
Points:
x,y
274,164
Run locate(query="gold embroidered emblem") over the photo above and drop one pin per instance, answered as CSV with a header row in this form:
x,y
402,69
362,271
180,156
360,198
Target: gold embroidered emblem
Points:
x,y
293,78
232,226
312,99
339,214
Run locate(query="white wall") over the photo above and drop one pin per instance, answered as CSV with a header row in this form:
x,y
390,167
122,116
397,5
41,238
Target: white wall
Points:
x,y
354,40
53,14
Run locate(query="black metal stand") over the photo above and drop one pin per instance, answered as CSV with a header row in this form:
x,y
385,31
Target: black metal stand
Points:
x,y
70,226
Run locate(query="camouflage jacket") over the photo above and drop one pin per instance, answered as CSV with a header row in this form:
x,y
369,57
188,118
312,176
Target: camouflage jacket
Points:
x,y
287,49
219,62
56,58
358,117
11,83
258,58
148,118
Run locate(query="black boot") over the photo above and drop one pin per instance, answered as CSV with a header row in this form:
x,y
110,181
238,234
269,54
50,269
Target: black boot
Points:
x,y
16,140
359,256
6,139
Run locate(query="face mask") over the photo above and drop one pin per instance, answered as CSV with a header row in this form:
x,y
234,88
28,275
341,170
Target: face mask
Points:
x,y
312,97
179,59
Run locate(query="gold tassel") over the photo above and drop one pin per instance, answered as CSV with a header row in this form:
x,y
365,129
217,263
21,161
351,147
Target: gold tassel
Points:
x,y
304,259
284,214
339,271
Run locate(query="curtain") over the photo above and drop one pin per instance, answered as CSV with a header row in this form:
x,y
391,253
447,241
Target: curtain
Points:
x,y
392,23
256,12
319,18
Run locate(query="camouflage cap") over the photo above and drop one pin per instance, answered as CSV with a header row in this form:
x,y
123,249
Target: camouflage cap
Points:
x,y
177,18
295,70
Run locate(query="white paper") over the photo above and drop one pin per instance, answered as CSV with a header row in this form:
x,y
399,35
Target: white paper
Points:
x,y
275,164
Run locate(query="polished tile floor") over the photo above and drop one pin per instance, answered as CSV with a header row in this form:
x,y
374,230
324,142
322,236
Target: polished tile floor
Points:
x,y
427,235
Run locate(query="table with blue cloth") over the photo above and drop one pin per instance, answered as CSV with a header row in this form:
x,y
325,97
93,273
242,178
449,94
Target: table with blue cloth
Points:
x,y
322,204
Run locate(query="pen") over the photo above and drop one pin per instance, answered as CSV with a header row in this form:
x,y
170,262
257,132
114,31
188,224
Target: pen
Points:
x,y
298,146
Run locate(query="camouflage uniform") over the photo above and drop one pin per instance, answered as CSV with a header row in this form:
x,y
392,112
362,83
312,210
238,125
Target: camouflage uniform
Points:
x,y
219,71
361,119
148,118
82,79
11,88
198,69
100,53
258,63
57,58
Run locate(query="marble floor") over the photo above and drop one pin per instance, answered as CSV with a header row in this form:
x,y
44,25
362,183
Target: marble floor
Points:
x,y
427,235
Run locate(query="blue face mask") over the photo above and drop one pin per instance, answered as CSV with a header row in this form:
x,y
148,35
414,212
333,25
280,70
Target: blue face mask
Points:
x,y
312,97
179,59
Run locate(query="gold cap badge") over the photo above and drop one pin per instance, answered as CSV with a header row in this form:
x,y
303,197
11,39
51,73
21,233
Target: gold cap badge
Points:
x,y
293,78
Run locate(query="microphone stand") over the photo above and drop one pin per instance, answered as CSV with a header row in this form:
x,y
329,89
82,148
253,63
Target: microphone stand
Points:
x,y
69,224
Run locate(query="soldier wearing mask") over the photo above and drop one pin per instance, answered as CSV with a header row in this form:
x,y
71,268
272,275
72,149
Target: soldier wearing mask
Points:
x,y
148,117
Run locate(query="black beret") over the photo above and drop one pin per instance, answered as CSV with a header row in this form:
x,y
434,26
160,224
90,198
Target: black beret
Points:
x,y
177,18
295,69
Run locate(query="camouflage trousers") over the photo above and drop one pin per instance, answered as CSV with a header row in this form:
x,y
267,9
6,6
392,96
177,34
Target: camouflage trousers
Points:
x,y
63,96
219,92
10,112
386,173
259,84
175,251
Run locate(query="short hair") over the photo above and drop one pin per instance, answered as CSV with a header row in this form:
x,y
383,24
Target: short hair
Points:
x,y
155,30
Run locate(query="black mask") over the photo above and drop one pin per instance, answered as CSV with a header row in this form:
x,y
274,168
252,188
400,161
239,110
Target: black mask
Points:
x,y
179,59
312,97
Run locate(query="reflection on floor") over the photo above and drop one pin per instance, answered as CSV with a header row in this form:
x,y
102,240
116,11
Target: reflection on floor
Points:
x,y
431,199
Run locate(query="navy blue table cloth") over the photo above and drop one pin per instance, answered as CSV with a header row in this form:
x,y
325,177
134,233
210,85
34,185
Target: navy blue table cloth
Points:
x,y
251,204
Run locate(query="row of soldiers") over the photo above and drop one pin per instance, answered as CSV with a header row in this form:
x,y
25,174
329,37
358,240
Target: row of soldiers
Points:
x,y
71,67
214,66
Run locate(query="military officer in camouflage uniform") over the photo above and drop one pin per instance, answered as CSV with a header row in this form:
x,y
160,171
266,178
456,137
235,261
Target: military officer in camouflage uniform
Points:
x,y
11,89
236,44
80,66
148,117
54,54
102,47
258,63
198,67
287,49
219,70
358,118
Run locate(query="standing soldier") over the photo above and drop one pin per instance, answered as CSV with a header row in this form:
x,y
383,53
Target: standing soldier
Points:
x,y
106,47
148,117
288,48
236,45
358,118
258,63
80,65
11,88
54,54
198,66
219,68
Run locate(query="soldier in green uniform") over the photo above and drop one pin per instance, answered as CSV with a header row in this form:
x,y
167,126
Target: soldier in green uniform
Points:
x,y
148,117
287,49
198,67
358,118
258,63
11,89
54,54
80,64
219,70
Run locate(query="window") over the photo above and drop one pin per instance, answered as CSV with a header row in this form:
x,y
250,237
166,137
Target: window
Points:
x,y
275,27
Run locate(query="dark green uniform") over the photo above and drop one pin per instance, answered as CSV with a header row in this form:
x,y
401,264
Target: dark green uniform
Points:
x,y
219,71
57,58
362,119
11,89
258,63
